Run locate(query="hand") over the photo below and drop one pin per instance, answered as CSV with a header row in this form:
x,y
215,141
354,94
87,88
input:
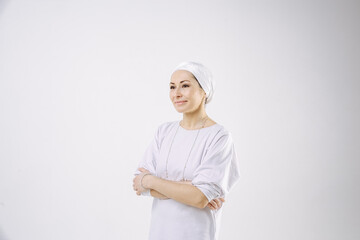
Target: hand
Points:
x,y
216,203
136,181
143,170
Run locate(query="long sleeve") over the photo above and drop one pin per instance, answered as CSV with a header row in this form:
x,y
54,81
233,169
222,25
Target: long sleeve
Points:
x,y
150,157
219,170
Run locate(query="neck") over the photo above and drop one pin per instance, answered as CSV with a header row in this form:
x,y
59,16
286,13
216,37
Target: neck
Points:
x,y
194,120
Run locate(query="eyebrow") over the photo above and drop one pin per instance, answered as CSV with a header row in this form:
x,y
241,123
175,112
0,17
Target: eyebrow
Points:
x,y
180,82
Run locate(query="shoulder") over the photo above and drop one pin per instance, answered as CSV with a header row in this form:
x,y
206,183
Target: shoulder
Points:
x,y
220,130
220,134
167,124
165,127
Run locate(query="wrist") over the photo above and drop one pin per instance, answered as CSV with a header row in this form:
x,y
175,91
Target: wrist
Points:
x,y
147,180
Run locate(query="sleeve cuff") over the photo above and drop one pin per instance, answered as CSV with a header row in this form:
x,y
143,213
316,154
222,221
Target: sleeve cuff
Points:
x,y
210,190
146,193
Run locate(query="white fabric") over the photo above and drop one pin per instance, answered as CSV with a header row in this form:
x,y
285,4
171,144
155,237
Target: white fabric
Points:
x,y
202,74
212,167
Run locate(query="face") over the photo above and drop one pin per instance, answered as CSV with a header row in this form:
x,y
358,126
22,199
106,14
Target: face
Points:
x,y
185,92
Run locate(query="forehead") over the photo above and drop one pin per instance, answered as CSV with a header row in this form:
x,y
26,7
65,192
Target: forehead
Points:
x,y
181,75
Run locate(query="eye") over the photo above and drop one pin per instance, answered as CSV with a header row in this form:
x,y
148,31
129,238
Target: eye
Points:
x,y
184,86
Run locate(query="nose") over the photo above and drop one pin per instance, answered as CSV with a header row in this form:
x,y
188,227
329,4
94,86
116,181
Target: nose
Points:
x,y
177,92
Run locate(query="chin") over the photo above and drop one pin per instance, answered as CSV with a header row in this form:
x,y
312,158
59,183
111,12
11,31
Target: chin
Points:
x,y
180,110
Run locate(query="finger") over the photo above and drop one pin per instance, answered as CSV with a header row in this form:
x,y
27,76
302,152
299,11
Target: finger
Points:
x,y
213,207
219,202
143,170
222,199
210,206
216,203
213,203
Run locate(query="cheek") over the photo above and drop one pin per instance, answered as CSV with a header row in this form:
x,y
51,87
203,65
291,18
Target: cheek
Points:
x,y
188,92
194,94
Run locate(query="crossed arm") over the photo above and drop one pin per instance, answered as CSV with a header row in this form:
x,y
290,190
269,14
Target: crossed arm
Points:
x,y
183,192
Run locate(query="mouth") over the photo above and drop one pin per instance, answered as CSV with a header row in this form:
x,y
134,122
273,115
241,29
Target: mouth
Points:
x,y
180,102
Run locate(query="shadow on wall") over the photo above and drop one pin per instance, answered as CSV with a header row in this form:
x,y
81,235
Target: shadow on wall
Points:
x,y
3,4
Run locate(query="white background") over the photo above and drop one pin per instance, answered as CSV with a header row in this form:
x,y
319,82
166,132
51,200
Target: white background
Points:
x,y
84,85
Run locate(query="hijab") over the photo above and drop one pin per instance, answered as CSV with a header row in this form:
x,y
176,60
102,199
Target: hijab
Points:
x,y
202,75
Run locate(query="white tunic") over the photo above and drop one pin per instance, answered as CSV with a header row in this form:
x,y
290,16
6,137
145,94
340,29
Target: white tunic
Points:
x,y
212,167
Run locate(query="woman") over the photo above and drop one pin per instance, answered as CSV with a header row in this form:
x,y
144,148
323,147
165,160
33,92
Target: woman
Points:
x,y
190,166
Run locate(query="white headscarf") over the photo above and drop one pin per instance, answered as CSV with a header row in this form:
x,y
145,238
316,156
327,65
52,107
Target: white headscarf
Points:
x,y
202,74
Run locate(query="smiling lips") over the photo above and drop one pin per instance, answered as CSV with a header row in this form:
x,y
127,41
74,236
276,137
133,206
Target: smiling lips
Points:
x,y
180,102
